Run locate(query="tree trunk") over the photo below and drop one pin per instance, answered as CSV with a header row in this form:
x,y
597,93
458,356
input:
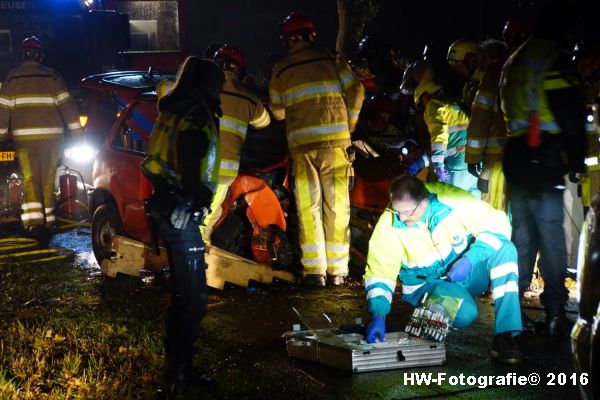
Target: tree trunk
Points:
x,y
341,35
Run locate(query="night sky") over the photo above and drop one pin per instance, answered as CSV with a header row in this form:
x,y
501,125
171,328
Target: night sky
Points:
x,y
406,25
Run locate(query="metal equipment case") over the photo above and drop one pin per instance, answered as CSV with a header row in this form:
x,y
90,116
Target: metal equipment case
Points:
x,y
348,351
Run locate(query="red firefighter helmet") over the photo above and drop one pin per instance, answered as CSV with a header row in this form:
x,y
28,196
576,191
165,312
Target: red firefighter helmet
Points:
x,y
230,54
517,29
296,23
32,42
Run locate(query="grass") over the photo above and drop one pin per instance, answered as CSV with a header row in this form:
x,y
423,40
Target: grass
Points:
x,y
66,335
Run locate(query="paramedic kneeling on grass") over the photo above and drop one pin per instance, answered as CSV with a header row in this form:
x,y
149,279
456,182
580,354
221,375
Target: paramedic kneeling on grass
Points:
x,y
440,240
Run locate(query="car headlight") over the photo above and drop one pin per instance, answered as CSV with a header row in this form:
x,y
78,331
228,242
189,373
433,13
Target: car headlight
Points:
x,y
80,153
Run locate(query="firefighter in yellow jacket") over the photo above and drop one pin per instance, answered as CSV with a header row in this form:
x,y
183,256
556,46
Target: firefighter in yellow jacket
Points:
x,y
320,98
587,59
35,107
486,132
240,108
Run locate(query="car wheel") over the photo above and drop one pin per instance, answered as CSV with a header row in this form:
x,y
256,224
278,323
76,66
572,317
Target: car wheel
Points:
x,y
233,235
105,225
282,250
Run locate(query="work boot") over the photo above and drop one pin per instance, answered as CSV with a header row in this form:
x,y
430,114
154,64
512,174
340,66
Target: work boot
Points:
x,y
335,280
186,380
529,325
23,232
314,280
53,228
505,350
557,324
41,234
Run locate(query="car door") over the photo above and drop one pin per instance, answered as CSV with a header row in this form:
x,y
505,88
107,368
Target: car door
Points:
x,y
128,144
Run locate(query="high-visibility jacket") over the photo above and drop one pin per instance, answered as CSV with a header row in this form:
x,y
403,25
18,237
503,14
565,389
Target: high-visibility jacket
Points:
x,y
192,115
35,104
470,89
592,127
240,109
447,125
319,97
537,73
525,78
455,224
486,133
590,182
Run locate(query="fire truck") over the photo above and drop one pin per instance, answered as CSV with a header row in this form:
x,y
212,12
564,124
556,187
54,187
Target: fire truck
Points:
x,y
82,38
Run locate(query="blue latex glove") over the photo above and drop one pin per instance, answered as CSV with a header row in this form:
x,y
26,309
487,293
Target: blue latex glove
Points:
x,y
442,174
376,331
417,165
460,270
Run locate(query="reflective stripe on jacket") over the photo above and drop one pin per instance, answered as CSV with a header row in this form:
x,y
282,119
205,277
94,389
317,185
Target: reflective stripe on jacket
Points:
x,y
470,89
454,224
240,109
447,125
525,78
486,133
592,126
162,159
35,104
318,96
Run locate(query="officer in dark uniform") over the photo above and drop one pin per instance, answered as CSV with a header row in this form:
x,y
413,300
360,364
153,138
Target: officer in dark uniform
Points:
x,y
183,165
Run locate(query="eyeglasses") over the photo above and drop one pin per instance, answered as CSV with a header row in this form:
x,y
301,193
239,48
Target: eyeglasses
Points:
x,y
409,213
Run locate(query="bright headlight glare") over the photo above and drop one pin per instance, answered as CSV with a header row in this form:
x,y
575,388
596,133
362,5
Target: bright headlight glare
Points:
x,y
83,153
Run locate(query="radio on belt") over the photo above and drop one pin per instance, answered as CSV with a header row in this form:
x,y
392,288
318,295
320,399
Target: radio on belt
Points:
x,y
346,349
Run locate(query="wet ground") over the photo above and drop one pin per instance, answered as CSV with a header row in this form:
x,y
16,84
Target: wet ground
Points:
x,y
240,343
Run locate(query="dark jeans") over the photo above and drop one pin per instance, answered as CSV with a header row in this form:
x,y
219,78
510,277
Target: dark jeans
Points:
x,y
189,299
537,220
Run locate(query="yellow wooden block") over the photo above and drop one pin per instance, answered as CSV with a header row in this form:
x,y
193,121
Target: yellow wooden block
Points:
x,y
130,256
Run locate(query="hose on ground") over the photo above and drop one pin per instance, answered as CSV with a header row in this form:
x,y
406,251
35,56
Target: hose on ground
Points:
x,y
33,256
22,250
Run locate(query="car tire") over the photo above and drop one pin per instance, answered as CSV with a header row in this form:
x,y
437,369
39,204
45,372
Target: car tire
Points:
x,y
281,248
106,223
233,235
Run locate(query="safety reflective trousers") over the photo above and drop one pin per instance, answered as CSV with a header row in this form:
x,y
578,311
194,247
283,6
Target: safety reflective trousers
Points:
x,y
320,98
493,177
500,274
321,178
216,208
38,161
